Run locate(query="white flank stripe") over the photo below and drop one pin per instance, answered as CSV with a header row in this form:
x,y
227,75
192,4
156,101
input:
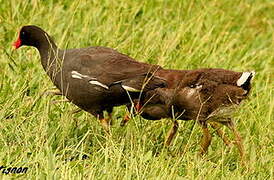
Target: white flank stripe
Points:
x,y
243,78
98,84
76,76
130,89
76,73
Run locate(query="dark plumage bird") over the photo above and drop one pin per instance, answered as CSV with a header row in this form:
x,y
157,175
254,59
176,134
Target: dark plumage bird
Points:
x,y
204,95
95,78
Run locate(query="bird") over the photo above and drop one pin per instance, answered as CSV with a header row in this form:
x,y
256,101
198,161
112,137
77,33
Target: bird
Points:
x,y
208,96
94,78
172,78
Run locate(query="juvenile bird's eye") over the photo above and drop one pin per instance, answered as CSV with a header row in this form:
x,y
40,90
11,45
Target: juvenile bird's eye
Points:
x,y
192,86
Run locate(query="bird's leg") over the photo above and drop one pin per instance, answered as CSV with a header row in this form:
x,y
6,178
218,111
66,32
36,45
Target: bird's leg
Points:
x,y
220,133
59,101
238,139
138,107
109,119
76,111
56,92
66,100
105,124
171,133
125,119
136,110
206,139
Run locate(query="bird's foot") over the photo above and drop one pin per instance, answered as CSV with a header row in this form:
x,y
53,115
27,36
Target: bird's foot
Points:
x,y
125,120
171,133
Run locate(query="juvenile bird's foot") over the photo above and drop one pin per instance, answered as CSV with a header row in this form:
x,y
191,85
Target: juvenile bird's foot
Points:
x,y
171,133
206,139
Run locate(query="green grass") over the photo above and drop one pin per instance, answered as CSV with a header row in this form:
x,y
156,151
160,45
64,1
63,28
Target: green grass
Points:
x,y
45,137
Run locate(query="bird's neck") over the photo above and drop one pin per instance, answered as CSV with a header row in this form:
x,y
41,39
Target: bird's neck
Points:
x,y
50,56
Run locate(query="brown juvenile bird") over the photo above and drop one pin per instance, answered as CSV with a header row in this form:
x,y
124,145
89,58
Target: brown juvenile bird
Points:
x,y
204,95
94,78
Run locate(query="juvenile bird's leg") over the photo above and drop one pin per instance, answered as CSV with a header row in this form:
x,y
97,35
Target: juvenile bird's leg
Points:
x,y
238,139
220,133
206,139
171,133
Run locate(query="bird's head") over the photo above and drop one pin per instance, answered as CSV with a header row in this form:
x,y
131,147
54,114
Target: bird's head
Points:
x,y
29,36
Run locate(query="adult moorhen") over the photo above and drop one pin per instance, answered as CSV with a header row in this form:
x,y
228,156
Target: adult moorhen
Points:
x,y
94,78
204,95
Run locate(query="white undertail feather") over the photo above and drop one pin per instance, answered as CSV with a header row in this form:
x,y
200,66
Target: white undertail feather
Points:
x,y
130,89
244,77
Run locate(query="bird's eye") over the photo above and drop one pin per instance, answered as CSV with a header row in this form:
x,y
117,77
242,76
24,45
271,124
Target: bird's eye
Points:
x,y
23,33
192,86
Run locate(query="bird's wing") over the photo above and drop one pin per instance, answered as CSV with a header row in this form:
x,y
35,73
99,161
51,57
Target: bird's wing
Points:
x,y
112,68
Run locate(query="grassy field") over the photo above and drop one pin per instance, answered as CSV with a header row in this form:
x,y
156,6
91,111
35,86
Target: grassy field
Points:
x,y
51,142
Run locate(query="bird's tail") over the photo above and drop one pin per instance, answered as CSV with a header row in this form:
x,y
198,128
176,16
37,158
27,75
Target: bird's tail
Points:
x,y
245,80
